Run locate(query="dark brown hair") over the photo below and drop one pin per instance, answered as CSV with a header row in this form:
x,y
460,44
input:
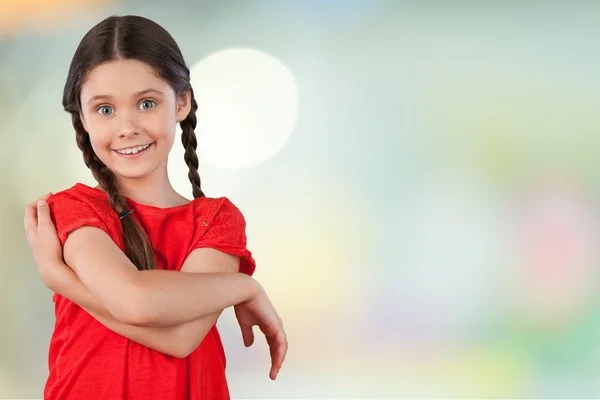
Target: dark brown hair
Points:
x,y
135,38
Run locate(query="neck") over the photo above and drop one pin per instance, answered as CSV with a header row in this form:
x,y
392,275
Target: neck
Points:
x,y
153,190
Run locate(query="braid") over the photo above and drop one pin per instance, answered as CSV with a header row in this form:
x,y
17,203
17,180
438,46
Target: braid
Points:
x,y
188,138
137,245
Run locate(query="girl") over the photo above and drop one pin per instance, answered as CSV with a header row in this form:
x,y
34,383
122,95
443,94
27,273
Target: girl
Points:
x,y
146,273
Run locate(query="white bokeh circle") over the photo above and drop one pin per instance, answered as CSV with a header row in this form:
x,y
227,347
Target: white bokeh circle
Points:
x,y
247,107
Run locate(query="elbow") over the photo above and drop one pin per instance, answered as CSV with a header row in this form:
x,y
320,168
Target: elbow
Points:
x,y
178,346
183,348
180,351
135,317
184,342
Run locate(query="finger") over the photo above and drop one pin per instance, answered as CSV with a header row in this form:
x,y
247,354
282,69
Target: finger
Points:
x,y
31,220
271,329
272,350
43,214
282,348
278,346
247,335
45,197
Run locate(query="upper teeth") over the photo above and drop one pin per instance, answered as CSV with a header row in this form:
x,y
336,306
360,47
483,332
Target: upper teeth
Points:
x,y
133,150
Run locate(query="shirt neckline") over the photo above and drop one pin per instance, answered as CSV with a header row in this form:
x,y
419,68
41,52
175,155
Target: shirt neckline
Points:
x,y
101,194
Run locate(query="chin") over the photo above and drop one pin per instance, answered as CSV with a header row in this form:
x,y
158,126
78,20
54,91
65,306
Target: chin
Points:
x,y
133,172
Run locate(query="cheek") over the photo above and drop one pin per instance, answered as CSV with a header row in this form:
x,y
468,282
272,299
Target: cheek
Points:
x,y
101,148
166,142
161,125
100,141
99,132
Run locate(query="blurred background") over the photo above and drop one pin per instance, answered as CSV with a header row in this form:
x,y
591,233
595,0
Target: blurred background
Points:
x,y
420,181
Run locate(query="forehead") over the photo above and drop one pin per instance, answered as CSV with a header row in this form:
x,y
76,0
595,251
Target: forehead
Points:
x,y
121,78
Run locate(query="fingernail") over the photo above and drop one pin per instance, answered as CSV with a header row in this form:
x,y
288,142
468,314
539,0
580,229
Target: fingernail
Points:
x,y
41,202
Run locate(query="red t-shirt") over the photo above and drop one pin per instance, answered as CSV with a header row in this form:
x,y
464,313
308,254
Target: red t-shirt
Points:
x,y
89,361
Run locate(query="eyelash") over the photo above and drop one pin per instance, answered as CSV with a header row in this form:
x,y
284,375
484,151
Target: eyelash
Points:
x,y
154,103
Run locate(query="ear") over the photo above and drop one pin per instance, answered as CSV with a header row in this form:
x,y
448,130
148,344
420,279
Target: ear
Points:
x,y
83,121
184,105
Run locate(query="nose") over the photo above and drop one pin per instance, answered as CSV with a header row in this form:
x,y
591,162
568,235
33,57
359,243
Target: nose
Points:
x,y
127,125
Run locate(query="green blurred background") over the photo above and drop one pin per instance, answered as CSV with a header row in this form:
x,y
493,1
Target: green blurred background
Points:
x,y
420,182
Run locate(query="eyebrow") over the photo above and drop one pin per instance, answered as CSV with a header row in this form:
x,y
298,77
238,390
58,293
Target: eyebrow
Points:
x,y
106,96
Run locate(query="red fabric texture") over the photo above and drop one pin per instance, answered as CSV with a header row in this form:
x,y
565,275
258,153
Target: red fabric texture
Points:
x,y
87,360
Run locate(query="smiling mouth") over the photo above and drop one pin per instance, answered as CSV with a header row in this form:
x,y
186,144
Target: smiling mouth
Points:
x,y
130,151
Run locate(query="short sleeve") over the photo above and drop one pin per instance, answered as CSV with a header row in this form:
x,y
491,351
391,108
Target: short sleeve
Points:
x,y
226,232
70,213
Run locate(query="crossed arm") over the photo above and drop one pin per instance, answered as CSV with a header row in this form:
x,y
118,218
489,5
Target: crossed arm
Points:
x,y
165,310
178,340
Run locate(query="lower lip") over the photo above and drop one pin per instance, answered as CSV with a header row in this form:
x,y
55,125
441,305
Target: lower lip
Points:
x,y
139,153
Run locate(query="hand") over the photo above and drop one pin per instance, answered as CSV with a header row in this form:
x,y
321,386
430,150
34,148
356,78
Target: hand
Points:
x,y
43,241
259,311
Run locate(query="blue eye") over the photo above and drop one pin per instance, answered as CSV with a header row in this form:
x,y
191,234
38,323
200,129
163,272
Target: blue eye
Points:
x,y
105,110
147,104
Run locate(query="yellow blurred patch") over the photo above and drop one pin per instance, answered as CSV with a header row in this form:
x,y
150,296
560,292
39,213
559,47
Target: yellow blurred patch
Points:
x,y
42,15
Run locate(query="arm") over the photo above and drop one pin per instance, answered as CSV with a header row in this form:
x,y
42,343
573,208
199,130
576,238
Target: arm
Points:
x,y
178,341
164,340
150,298
258,310
191,334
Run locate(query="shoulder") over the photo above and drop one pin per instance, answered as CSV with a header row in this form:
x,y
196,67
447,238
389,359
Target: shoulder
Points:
x,y
75,207
218,220
220,225
80,199
218,209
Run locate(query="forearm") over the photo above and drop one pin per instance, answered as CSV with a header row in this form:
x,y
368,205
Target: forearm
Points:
x,y
177,341
167,298
173,298
69,286
150,298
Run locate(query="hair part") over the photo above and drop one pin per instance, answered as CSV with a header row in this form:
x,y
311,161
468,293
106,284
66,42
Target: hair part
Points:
x,y
132,38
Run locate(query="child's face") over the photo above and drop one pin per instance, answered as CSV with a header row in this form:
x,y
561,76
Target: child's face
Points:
x,y
125,105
